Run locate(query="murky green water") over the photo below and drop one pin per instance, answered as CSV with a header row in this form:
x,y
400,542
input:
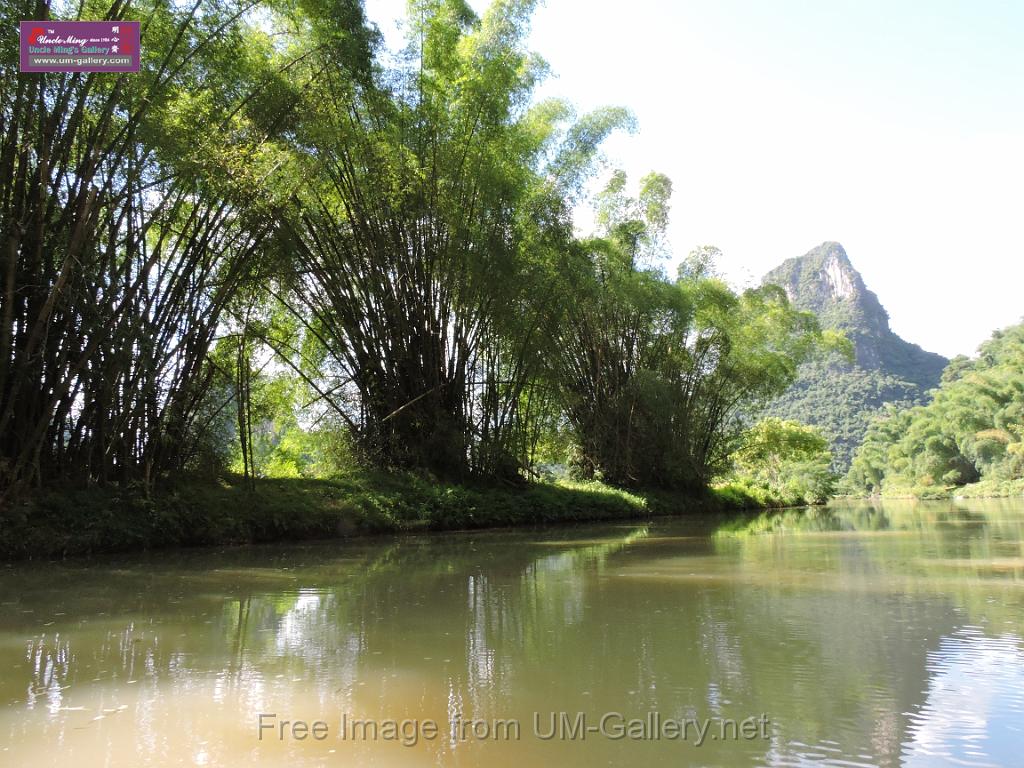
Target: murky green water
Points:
x,y
857,635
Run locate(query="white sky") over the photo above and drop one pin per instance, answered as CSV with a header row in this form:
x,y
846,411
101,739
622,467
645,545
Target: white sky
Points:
x,y
896,129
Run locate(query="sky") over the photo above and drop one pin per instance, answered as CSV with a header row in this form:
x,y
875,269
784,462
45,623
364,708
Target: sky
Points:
x,y
894,128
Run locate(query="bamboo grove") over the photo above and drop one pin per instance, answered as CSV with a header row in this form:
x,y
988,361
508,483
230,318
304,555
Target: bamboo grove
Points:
x,y
277,194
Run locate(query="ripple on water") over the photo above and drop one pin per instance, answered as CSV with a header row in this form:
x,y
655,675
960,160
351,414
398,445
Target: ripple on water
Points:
x,y
974,707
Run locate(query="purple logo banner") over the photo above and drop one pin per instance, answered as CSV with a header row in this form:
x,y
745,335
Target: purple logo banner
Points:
x,y
80,46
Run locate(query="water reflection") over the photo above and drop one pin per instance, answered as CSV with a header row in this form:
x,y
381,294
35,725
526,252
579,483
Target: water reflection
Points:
x,y
974,711
868,634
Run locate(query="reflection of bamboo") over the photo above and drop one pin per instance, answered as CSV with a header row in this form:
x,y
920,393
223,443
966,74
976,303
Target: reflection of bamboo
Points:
x,y
240,633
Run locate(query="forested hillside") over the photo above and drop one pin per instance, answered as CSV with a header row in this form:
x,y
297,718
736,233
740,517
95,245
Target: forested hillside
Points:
x,y
972,431
841,396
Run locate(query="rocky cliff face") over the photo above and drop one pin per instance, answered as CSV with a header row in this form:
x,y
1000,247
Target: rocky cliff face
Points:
x,y
839,397
826,283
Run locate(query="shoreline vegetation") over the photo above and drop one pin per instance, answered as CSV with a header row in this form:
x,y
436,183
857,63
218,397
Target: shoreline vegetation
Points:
x,y
282,253
73,521
376,264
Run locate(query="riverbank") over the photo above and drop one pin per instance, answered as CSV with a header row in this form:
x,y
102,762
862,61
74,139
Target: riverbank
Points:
x,y
986,489
61,522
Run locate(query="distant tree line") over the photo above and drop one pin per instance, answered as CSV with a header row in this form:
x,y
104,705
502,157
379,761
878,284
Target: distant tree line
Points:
x,y
971,431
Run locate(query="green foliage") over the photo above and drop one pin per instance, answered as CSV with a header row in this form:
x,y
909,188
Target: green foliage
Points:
x,y
435,214
843,400
134,208
787,459
972,430
654,373
281,253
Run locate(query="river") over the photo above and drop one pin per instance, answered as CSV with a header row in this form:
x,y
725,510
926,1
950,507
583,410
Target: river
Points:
x,y
875,634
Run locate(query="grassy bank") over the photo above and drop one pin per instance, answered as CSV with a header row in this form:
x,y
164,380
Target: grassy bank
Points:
x,y
60,522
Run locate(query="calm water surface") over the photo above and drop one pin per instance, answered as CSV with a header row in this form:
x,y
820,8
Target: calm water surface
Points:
x,y
876,635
